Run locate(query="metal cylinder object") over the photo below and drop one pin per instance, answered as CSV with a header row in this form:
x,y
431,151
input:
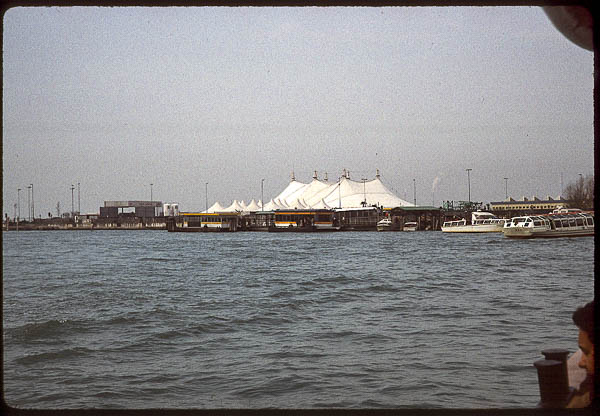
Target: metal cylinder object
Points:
x,y
553,382
561,355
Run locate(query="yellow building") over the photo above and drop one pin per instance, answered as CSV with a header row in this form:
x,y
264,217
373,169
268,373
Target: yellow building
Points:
x,y
526,204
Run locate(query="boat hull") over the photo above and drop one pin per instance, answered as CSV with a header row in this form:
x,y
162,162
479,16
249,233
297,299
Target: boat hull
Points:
x,y
524,233
384,228
198,230
472,229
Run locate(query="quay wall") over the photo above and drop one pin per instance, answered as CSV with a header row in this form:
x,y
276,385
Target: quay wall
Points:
x,y
427,218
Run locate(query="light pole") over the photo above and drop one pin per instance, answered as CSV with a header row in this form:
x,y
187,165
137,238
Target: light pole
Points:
x,y
32,204
415,191
72,204
151,191
506,187
262,195
18,204
78,198
469,180
28,204
206,196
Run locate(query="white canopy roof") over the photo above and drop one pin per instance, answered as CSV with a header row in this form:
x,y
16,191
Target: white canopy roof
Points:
x,y
297,204
345,193
216,207
320,205
252,207
317,194
234,207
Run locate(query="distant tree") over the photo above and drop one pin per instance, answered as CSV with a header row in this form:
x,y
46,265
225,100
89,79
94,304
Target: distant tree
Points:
x,y
581,192
58,209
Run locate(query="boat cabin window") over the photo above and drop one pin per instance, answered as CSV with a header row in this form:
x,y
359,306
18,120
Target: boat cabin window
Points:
x,y
565,223
579,221
572,222
557,224
590,221
537,223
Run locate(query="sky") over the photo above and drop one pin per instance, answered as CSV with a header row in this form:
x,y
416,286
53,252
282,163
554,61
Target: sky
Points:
x,y
116,99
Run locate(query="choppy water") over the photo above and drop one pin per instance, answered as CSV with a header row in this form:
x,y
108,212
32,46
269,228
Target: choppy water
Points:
x,y
142,319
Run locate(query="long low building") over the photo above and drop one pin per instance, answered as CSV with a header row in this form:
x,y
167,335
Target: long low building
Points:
x,y
142,208
525,204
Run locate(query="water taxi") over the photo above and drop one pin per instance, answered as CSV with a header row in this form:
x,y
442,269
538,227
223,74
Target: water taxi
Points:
x,y
384,225
559,223
204,222
410,226
481,222
303,221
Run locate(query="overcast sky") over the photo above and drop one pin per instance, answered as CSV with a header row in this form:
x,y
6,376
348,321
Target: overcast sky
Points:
x,y
118,98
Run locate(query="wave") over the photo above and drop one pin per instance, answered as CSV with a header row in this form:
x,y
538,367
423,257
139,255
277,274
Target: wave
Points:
x,y
69,353
46,329
159,259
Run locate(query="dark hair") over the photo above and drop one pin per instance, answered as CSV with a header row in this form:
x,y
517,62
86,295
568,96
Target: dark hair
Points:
x,y
584,319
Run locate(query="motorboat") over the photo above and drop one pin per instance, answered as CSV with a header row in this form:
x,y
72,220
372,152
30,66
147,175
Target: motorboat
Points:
x,y
481,222
559,223
410,226
384,224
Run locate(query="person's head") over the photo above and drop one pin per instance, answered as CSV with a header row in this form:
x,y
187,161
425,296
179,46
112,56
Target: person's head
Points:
x,y
584,319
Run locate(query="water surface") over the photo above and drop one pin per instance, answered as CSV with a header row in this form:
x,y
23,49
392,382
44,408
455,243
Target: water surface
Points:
x,y
142,319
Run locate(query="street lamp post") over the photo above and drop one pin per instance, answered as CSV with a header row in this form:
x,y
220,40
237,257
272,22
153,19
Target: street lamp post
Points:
x,y
32,204
18,204
151,191
28,203
415,191
469,180
506,187
72,204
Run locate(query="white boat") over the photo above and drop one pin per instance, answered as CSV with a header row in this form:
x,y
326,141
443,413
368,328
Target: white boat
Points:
x,y
410,226
559,223
481,222
384,225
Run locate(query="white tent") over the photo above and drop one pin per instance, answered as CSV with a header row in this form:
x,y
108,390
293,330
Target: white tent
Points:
x,y
297,204
216,207
234,207
345,193
252,207
291,192
318,194
281,204
269,206
273,205
320,205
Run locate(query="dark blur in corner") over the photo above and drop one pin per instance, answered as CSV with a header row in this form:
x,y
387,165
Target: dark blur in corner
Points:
x,y
576,23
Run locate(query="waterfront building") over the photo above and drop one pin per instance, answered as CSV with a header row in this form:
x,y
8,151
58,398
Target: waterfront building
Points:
x,y
534,205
